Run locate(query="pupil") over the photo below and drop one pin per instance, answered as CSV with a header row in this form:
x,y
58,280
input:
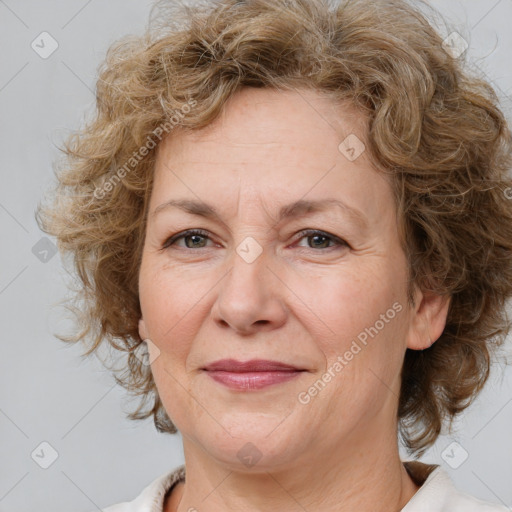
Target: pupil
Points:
x,y
192,237
319,236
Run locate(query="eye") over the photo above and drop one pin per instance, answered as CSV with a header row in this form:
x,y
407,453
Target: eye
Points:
x,y
199,237
195,236
321,238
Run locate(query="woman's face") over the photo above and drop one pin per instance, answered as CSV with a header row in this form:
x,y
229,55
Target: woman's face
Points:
x,y
331,302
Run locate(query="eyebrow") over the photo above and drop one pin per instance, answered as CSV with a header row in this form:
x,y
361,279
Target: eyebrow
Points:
x,y
298,208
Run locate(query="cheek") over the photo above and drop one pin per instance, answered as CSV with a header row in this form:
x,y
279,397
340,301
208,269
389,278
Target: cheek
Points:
x,y
361,330
167,301
348,301
364,353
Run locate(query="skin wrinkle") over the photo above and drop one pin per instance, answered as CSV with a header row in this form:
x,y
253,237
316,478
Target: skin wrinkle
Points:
x,y
301,306
154,85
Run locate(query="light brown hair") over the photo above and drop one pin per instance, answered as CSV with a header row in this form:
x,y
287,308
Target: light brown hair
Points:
x,y
433,127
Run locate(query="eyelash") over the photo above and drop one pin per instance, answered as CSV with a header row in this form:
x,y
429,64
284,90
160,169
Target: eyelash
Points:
x,y
304,233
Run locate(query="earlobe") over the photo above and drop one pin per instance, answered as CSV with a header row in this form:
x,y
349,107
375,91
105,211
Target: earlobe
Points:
x,y
143,333
429,320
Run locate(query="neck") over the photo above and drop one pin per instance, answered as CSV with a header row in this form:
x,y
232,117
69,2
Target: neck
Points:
x,y
364,479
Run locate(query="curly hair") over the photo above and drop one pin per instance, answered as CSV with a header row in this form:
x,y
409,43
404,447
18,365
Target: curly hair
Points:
x,y
434,127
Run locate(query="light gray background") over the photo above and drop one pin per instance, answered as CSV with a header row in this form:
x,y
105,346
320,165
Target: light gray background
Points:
x,y
47,392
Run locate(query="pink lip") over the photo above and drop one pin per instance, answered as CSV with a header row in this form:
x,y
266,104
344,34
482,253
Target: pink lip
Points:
x,y
246,381
249,375
254,365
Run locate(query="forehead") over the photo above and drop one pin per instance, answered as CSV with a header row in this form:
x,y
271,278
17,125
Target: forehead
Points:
x,y
257,118
270,147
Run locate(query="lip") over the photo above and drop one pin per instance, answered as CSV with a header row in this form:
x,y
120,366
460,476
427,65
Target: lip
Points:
x,y
247,381
251,375
254,365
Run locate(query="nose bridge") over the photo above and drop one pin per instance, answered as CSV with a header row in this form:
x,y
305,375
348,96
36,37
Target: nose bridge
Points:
x,y
248,296
247,280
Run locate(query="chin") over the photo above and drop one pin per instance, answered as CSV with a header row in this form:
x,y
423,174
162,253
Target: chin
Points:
x,y
255,444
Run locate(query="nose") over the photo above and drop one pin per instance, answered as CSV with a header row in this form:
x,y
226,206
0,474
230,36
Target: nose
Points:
x,y
250,298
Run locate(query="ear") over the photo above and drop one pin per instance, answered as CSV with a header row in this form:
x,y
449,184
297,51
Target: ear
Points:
x,y
143,333
428,319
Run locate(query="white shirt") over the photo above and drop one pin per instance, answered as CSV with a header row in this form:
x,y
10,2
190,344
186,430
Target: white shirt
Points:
x,y
436,494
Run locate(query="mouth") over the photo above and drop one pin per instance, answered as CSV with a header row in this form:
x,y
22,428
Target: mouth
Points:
x,y
251,375
254,365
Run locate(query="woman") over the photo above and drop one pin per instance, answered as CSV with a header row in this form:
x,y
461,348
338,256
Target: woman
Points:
x,y
293,217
